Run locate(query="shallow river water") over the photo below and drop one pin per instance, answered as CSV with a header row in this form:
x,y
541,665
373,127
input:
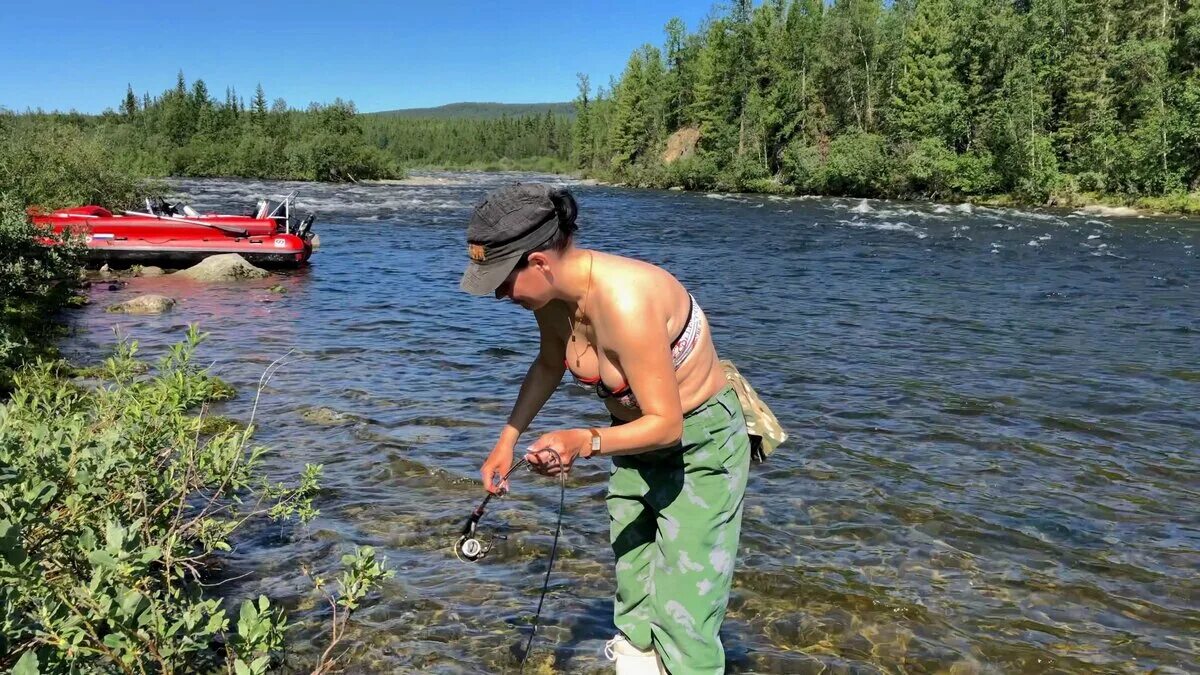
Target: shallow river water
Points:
x,y
994,462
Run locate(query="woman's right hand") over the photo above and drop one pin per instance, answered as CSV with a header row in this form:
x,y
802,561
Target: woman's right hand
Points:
x,y
496,466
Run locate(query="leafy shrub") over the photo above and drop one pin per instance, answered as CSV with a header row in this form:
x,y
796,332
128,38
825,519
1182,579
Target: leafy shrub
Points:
x,y
975,174
53,164
112,504
696,172
35,280
802,166
1042,178
857,165
744,170
929,167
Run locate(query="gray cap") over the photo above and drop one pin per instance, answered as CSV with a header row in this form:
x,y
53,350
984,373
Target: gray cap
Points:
x,y
507,224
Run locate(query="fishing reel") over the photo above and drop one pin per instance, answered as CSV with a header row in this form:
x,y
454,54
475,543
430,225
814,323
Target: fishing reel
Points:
x,y
471,547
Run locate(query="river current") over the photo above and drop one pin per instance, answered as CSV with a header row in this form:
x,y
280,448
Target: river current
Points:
x,y
994,462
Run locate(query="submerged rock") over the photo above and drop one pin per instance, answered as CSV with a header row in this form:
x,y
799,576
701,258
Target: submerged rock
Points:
x,y
323,415
224,267
1117,211
143,304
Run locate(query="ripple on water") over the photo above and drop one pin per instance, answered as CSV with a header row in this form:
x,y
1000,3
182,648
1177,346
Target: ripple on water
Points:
x,y
992,465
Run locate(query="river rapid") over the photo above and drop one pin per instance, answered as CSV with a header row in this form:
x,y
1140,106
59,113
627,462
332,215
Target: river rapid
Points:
x,y
994,418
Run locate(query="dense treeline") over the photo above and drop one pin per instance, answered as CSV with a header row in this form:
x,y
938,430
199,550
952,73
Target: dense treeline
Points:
x,y
535,142
186,131
1039,99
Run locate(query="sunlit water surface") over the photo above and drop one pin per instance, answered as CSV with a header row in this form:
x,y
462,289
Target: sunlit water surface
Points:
x,y
995,417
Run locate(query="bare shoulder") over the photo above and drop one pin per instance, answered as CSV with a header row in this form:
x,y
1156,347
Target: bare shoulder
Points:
x,y
634,291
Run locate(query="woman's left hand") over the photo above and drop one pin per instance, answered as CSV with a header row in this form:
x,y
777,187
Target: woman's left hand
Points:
x,y
568,443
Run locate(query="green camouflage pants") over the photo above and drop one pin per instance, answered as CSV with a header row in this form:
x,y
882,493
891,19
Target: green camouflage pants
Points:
x,y
675,518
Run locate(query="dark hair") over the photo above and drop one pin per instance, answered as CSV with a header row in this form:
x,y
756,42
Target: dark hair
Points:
x,y
567,209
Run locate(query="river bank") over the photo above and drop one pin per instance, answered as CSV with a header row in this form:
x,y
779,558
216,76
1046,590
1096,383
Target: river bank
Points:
x,y
1089,203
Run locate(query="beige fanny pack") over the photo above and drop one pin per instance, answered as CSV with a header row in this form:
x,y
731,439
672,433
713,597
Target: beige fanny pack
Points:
x,y
765,432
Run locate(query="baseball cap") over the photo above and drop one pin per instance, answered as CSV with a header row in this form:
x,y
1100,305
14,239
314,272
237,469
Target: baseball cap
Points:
x,y
507,224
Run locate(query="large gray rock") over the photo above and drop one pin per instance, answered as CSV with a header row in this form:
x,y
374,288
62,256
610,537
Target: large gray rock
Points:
x,y
224,267
143,304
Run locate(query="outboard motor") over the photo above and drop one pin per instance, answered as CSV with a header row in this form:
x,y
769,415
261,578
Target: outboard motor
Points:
x,y
305,226
161,207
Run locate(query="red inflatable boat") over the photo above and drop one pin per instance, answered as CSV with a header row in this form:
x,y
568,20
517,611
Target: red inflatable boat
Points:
x,y
178,236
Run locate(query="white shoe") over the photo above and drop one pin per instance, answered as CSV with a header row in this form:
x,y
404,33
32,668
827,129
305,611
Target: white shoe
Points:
x,y
629,659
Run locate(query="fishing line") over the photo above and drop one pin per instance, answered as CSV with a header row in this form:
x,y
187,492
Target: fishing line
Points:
x,y
469,548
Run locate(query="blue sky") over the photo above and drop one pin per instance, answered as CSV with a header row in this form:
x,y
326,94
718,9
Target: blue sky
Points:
x,y
382,55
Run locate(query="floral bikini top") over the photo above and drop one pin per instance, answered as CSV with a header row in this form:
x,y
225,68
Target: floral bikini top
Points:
x,y
681,348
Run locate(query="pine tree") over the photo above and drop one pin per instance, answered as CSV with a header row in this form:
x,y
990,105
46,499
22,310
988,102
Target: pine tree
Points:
x,y
677,92
129,106
927,102
200,97
715,107
258,110
639,112
582,132
1146,86
1186,96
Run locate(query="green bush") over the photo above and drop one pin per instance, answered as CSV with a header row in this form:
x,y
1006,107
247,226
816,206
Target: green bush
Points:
x,y
51,164
35,280
113,503
975,174
853,164
744,170
696,172
857,165
929,167
802,166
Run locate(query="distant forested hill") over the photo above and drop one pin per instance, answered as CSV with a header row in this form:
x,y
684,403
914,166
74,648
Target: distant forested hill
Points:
x,y
481,111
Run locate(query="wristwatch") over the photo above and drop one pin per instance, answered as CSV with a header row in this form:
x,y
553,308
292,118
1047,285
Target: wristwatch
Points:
x,y
595,442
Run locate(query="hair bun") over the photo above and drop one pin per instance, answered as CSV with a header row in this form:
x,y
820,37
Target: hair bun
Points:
x,y
566,208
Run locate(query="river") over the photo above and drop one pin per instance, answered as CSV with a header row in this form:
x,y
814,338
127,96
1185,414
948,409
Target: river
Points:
x,y
994,418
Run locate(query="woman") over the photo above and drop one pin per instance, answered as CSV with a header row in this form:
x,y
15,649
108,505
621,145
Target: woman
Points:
x,y
678,443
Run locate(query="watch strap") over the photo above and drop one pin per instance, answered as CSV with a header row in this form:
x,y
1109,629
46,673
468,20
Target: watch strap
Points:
x,y
595,446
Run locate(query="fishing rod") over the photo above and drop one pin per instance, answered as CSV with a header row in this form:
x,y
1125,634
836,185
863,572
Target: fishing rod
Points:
x,y
471,548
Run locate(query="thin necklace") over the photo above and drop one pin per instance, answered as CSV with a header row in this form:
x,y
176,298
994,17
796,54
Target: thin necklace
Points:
x,y
570,318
